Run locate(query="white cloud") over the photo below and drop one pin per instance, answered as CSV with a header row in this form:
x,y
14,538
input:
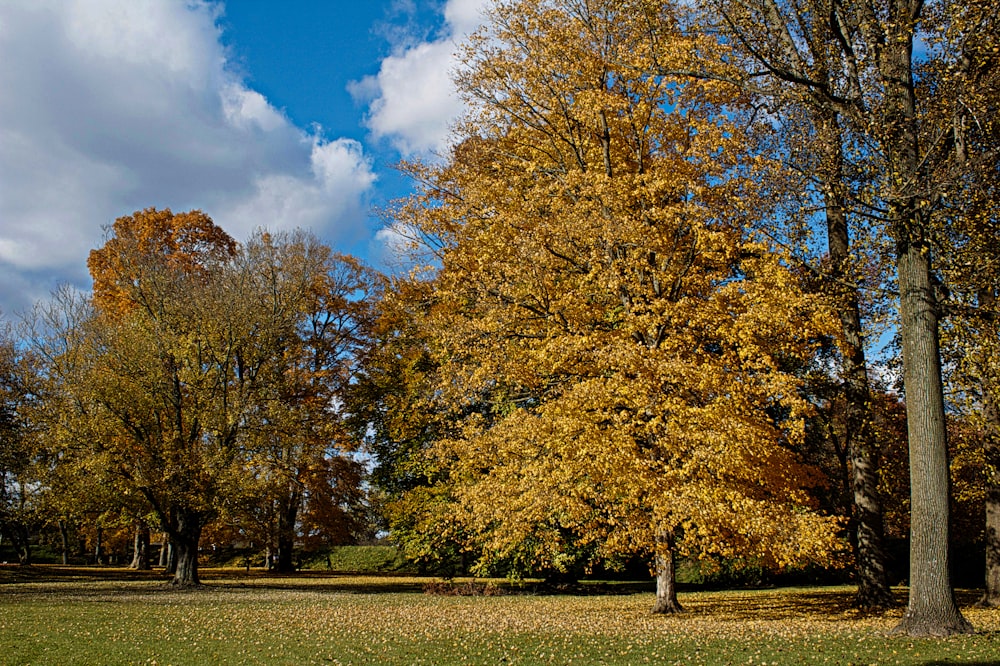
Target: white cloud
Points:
x,y
464,16
412,101
246,108
340,174
110,106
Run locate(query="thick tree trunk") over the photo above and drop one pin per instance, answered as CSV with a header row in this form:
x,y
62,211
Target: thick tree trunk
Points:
x,y
140,552
666,579
185,541
991,596
284,561
287,515
870,554
991,412
932,610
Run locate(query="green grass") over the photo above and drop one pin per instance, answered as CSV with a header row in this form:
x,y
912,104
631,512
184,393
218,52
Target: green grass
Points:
x,y
67,616
360,559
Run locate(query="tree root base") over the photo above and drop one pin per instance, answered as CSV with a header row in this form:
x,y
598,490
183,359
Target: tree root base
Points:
x,y
932,627
667,609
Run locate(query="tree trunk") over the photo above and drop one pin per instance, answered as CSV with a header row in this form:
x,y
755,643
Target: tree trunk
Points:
x,y
991,596
185,542
870,554
284,561
140,554
99,546
20,541
666,579
170,566
64,536
932,610
287,516
991,412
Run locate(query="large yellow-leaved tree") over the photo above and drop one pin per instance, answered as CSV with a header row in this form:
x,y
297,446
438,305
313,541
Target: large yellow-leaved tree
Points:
x,y
629,348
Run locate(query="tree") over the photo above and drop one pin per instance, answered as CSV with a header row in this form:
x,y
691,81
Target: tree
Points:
x,y
964,90
299,453
185,243
21,462
162,381
855,61
598,290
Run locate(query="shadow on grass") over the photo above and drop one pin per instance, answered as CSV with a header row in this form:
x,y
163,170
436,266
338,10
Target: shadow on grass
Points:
x,y
50,573
95,581
774,604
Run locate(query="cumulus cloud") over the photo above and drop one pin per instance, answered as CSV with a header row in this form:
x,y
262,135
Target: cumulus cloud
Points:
x,y
412,101
110,106
338,169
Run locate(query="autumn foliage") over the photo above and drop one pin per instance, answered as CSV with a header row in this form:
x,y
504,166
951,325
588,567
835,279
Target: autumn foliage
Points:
x,y
626,333
616,348
186,242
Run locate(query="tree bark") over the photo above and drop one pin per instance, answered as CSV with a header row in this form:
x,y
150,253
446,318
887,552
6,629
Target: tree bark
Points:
x,y
170,567
18,536
991,595
185,539
140,553
99,546
666,578
287,515
164,549
64,537
874,590
284,562
991,412
932,610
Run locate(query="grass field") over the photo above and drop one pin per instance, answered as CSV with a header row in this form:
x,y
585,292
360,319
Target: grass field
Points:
x,y
53,615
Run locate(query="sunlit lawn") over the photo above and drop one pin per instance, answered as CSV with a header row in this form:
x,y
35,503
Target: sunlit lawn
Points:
x,y
71,617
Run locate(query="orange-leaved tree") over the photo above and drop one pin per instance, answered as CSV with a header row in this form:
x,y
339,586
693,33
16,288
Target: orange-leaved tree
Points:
x,y
182,363
183,242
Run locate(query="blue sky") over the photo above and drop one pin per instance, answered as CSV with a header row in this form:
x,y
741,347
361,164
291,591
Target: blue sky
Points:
x,y
261,113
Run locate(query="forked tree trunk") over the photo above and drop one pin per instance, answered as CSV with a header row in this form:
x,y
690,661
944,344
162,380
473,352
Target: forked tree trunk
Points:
x,y
666,576
20,541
